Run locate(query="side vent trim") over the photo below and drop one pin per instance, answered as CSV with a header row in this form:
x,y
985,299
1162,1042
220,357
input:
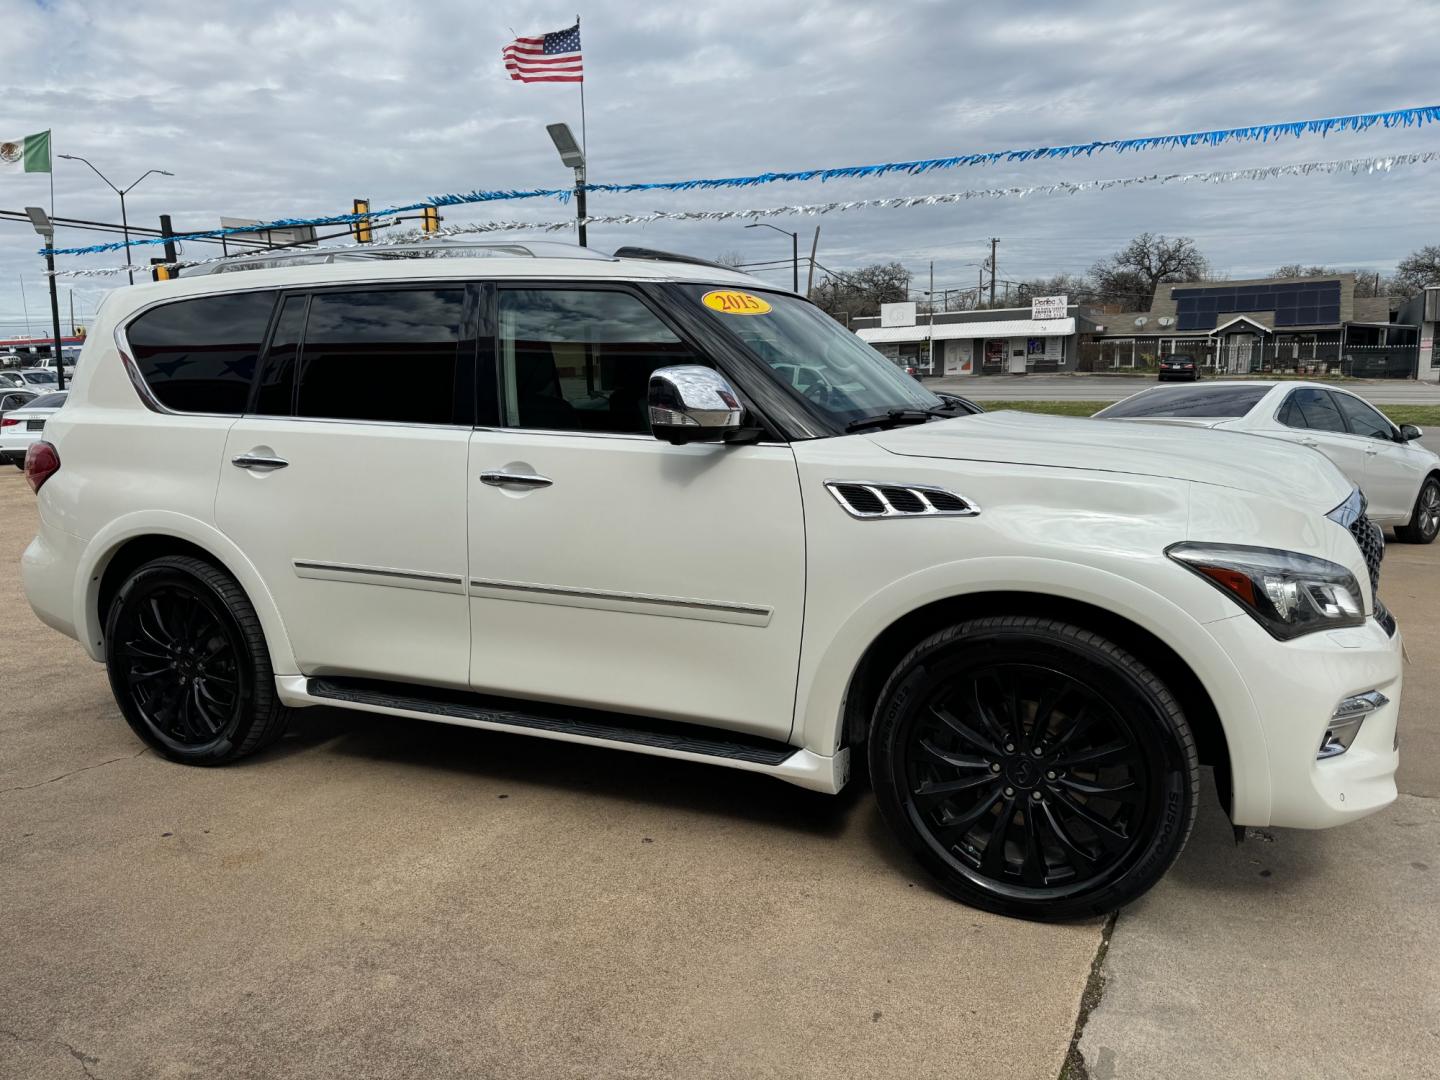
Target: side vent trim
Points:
x,y
871,501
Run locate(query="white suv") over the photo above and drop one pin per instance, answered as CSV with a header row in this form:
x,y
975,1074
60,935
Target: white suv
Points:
x,y
614,517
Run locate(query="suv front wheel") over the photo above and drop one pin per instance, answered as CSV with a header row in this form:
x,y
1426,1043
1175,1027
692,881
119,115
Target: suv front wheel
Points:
x,y
188,663
1035,768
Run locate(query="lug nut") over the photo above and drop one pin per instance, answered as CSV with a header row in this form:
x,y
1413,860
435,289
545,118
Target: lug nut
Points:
x,y
994,766
1009,791
1035,795
1050,775
1037,752
1009,748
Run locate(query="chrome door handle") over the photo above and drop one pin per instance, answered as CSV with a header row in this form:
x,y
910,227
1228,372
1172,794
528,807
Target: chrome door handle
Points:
x,y
510,479
255,461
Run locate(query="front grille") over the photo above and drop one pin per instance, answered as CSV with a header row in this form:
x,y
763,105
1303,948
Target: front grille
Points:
x,y
1372,545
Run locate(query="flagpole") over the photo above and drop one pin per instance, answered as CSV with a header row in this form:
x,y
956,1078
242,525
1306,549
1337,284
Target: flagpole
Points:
x,y
584,149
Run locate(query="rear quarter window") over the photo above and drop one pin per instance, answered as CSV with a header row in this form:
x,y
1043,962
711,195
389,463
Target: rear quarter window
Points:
x,y
1211,401
199,355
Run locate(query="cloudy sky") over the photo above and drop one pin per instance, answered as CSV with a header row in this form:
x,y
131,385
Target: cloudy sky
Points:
x,y
264,110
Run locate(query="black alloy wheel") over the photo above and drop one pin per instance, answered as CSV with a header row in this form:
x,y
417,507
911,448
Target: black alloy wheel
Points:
x,y
1035,768
1424,523
188,664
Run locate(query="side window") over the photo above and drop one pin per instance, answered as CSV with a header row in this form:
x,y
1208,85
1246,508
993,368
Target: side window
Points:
x,y
580,359
391,355
1363,420
1313,409
199,355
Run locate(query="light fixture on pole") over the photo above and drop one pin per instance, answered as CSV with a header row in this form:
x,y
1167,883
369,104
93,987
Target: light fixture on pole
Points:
x,y
794,250
41,221
572,157
122,192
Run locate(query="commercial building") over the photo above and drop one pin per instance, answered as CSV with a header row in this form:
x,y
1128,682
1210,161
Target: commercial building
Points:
x,y
1314,325
1423,310
996,341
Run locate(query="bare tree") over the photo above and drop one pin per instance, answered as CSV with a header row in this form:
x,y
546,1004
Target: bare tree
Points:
x,y
1133,273
732,259
1367,282
857,293
1417,270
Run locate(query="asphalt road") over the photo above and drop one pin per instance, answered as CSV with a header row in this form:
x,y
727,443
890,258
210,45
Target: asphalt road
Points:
x,y
379,898
1115,387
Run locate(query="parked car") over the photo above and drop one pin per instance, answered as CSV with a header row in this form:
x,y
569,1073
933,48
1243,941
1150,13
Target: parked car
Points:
x,y
38,379
1178,367
25,425
14,399
1036,628
1400,478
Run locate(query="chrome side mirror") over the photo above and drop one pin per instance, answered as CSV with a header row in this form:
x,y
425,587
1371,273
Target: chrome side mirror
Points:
x,y
690,403
1409,433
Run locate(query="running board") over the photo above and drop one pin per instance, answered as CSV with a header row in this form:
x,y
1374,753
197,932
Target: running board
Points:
x,y
646,735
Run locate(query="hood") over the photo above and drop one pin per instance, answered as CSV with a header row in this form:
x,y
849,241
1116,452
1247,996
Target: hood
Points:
x,y
1230,459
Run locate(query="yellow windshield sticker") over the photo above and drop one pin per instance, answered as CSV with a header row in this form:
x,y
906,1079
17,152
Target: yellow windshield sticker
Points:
x,y
731,302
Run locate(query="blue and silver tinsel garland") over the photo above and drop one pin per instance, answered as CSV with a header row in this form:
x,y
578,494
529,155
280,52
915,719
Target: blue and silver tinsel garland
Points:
x,y
1354,166
1413,117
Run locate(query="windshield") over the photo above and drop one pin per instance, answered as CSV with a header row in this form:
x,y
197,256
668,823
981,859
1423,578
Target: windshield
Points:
x,y
44,377
814,355
1210,401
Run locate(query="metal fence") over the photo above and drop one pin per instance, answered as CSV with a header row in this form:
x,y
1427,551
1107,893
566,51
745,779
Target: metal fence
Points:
x,y
1282,355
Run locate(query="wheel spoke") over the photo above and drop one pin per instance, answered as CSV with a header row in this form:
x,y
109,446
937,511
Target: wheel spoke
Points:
x,y
992,723
932,789
137,650
964,730
955,761
1063,835
212,725
160,619
1127,792
966,821
1080,723
1112,753
992,858
1032,867
1107,834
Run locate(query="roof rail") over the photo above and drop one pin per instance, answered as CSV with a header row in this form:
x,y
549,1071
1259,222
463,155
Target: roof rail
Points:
x,y
433,249
668,256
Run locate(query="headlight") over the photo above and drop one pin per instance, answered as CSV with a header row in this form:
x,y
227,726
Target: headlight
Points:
x,y
1287,593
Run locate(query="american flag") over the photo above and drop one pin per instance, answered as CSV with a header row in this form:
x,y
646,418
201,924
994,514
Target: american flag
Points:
x,y
548,58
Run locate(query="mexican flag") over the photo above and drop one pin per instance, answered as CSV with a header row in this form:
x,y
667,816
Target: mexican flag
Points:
x,y
30,154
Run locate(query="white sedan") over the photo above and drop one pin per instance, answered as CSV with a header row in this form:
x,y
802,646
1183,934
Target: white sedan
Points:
x,y
1400,478
21,427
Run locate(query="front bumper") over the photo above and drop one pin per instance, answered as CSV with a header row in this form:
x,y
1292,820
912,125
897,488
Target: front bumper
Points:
x,y
1295,687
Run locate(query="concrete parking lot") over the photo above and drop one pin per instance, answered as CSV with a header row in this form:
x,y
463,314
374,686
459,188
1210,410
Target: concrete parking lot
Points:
x,y
376,898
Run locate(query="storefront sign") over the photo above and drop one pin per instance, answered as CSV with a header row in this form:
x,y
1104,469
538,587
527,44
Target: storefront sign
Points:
x,y
897,314
1048,307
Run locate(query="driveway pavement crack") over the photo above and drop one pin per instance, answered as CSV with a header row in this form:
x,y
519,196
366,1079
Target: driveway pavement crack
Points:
x,y
73,772
1075,1067
85,1060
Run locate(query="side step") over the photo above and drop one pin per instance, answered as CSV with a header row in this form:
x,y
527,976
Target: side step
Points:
x,y
591,727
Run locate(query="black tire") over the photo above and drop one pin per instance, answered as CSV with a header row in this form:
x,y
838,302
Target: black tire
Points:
x,y
1100,796
1425,518
188,663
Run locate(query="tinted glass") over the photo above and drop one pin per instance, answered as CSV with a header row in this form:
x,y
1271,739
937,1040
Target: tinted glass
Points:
x,y
14,401
1362,419
1313,409
47,401
38,378
1212,401
382,355
819,359
199,355
275,394
580,359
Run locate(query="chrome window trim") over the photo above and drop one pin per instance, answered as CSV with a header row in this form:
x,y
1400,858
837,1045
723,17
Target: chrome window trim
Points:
x,y
876,488
628,602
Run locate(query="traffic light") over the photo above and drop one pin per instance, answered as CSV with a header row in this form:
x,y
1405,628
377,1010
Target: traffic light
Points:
x,y
160,272
430,219
361,228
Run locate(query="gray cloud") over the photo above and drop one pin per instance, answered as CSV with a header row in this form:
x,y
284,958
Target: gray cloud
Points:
x,y
266,109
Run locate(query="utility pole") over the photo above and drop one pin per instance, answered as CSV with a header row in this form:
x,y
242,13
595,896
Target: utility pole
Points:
x,y
72,312
814,247
994,242
930,362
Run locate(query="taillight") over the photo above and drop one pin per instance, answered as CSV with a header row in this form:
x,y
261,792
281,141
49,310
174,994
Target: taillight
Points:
x,y
42,461
9,422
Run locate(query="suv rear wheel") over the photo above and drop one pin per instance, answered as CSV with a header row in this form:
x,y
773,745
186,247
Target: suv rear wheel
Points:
x,y
1036,769
188,663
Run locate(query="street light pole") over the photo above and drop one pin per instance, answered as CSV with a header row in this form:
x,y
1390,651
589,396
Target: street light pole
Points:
x,y
794,250
41,221
572,156
122,192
